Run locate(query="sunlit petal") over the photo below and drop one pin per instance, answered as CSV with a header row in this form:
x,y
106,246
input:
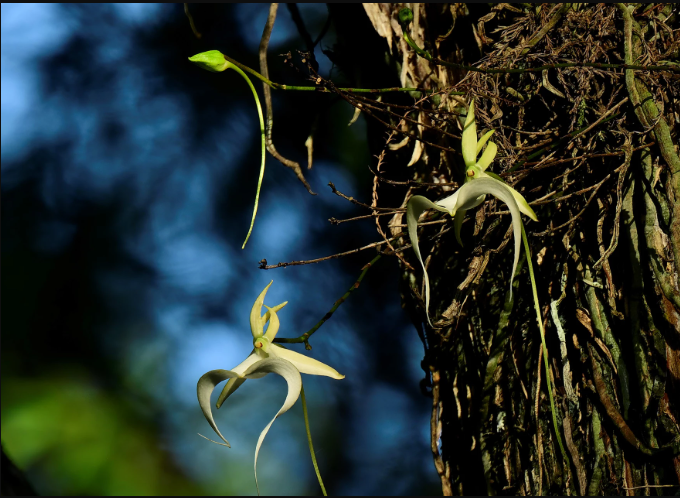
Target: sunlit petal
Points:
x,y
469,139
206,385
304,364
273,324
256,326
448,203
265,317
415,207
233,384
482,141
458,224
229,389
522,203
292,376
488,185
487,157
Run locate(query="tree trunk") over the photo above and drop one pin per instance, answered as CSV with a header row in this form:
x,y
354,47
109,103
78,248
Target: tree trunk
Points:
x,y
595,147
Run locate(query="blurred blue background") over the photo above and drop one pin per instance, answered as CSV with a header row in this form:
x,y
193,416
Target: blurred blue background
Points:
x,y
128,178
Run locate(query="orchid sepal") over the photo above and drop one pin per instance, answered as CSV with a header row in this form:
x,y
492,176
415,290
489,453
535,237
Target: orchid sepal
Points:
x,y
522,203
469,137
279,366
483,140
469,195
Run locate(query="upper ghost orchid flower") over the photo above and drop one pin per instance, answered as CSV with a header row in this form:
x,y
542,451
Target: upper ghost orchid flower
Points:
x,y
474,169
265,358
470,195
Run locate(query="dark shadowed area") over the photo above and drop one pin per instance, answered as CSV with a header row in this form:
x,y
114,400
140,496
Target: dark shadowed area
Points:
x,y
128,181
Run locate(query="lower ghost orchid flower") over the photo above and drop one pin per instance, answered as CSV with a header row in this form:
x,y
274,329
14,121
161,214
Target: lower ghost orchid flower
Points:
x,y
265,358
478,183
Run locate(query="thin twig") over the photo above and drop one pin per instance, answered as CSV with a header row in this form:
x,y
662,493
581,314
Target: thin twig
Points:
x,y
197,34
265,266
413,182
336,221
560,65
374,204
264,44
319,89
304,338
584,156
354,201
561,141
551,230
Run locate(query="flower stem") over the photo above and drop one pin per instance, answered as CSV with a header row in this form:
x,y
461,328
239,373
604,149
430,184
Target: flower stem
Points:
x,y
545,349
279,86
259,112
304,338
309,440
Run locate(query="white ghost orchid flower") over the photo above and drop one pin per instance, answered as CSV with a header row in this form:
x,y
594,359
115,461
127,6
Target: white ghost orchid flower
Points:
x,y
475,169
470,195
264,347
265,358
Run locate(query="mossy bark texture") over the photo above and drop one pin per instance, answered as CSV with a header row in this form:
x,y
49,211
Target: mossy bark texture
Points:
x,y
605,184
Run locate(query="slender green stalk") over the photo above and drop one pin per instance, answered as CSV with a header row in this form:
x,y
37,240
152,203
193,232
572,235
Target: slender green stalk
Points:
x,y
309,440
279,86
259,112
545,348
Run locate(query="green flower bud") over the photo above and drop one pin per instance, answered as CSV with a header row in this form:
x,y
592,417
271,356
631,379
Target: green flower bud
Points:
x,y
212,60
405,17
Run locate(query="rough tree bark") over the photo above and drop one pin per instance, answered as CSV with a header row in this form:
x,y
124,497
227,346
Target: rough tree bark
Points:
x,y
596,150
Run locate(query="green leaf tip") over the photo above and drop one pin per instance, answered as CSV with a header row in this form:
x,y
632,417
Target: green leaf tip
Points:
x,y
405,17
212,60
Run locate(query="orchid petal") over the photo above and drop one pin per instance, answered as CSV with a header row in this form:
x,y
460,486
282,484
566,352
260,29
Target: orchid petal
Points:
x,y
470,203
487,157
522,203
414,208
292,377
482,141
469,142
448,203
304,364
235,383
229,389
458,223
206,385
273,324
487,185
265,317
256,325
